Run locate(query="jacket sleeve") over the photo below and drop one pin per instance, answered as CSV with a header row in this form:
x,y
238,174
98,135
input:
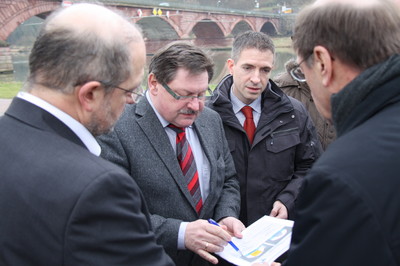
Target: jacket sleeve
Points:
x,y
307,152
108,226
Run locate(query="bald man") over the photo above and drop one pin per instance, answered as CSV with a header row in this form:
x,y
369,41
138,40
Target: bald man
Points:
x,y
61,204
349,209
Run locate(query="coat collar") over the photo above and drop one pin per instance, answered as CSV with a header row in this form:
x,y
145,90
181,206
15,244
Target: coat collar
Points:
x,y
366,95
34,116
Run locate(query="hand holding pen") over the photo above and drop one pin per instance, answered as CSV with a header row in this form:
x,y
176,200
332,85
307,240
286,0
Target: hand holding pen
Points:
x,y
211,221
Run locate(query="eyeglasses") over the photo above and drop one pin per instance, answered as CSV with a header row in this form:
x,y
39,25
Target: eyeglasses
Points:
x,y
207,95
132,92
297,73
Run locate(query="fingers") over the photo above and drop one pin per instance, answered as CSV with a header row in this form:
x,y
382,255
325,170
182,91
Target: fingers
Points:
x,y
204,239
199,232
207,256
233,225
279,210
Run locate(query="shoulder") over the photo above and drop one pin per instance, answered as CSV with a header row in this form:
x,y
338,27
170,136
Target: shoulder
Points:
x,y
284,80
297,105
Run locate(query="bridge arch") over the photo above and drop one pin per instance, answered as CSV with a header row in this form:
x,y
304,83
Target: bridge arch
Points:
x,y
208,32
157,32
241,26
269,28
11,19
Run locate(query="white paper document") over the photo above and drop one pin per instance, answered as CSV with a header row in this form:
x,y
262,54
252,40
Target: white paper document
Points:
x,y
263,241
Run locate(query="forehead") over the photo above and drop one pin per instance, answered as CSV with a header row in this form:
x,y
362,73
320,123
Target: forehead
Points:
x,y
183,74
256,56
184,80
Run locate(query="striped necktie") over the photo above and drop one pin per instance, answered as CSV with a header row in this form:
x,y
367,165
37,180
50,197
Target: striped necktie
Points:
x,y
188,165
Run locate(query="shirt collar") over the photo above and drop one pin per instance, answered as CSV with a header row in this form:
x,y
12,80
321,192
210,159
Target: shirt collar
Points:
x,y
237,104
84,135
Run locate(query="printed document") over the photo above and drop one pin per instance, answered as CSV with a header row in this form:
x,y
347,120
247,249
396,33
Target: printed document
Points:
x,y
263,241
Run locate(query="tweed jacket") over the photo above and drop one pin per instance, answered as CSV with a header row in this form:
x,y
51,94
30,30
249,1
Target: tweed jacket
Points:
x,y
141,146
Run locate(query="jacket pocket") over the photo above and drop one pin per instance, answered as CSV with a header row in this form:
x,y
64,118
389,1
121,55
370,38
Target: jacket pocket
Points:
x,y
283,139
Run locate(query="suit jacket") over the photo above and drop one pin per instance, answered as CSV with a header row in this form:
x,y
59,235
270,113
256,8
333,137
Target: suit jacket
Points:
x,y
140,144
62,205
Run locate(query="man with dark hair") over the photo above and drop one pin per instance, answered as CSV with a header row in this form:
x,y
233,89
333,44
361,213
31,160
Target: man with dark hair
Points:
x,y
175,149
349,209
61,204
274,155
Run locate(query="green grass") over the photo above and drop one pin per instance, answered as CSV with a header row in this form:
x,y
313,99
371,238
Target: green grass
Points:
x,y
9,89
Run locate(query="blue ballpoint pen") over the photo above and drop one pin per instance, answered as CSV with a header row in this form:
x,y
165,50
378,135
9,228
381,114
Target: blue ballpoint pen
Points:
x,y
211,221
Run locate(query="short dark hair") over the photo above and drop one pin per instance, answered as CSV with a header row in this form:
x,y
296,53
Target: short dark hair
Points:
x,y
166,62
358,36
251,39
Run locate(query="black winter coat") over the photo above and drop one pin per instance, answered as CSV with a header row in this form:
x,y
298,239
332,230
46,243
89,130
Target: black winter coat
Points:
x,y
349,207
284,148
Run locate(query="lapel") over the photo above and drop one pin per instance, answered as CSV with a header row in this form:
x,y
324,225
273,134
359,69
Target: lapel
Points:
x,y
39,118
160,143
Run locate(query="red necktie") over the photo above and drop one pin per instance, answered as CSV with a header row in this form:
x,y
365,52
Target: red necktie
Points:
x,y
188,165
249,125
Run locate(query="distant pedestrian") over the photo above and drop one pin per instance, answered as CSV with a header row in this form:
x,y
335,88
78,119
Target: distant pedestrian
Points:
x,y
300,90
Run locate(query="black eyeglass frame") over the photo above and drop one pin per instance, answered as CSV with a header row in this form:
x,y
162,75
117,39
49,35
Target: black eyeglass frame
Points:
x,y
191,97
298,69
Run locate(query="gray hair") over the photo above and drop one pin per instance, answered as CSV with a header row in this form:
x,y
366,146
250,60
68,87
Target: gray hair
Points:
x,y
358,36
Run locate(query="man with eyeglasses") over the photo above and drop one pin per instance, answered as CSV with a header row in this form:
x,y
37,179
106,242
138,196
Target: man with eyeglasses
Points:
x,y
292,82
348,211
273,156
60,203
175,149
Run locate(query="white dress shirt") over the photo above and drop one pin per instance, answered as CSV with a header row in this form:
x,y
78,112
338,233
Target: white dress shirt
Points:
x,y
84,135
237,106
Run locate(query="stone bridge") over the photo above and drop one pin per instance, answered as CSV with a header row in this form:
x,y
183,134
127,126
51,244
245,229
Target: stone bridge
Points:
x,y
160,24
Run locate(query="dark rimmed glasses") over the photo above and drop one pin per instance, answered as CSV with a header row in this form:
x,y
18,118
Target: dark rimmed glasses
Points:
x,y
297,73
207,94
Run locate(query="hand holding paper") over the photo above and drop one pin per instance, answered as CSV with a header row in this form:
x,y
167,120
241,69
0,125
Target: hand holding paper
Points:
x,y
263,241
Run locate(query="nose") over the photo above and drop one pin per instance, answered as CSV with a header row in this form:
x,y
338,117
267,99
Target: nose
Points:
x,y
255,77
194,104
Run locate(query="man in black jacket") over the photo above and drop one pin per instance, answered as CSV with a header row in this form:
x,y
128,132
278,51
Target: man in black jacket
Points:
x,y
348,211
271,162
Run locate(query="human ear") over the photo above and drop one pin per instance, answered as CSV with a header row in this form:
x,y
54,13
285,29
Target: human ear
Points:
x,y
230,63
90,94
323,63
152,83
